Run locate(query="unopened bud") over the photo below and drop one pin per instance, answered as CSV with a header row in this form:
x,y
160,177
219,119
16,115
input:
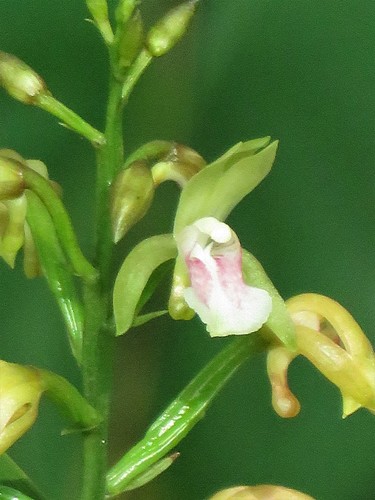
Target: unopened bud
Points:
x,y
11,179
12,155
130,41
260,492
19,80
124,10
180,165
131,197
99,11
170,29
20,391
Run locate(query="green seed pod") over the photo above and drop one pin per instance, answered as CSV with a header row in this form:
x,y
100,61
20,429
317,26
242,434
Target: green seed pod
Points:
x,y
131,197
19,80
170,29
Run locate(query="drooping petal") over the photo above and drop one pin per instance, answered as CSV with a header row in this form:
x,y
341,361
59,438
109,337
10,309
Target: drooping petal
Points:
x,y
134,275
218,293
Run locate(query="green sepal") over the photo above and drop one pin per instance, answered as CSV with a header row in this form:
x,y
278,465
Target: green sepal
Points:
x,y
12,476
279,321
220,186
134,274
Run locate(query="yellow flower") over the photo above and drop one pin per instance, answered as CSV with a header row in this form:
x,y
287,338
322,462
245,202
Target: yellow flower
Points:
x,y
20,392
260,492
329,337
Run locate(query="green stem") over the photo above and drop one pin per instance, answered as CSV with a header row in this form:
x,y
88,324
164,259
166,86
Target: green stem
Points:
x,y
109,160
69,400
98,337
135,72
96,373
183,413
69,118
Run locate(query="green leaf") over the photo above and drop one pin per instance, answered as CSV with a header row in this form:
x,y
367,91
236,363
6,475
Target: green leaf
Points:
x,y
220,186
279,320
182,414
12,476
134,275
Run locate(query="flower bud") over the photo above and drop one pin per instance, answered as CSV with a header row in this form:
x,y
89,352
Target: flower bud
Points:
x,y
170,29
131,196
19,80
99,11
11,179
20,391
260,492
130,41
124,10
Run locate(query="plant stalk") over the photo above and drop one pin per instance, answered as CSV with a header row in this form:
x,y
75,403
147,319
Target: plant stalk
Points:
x,y
98,336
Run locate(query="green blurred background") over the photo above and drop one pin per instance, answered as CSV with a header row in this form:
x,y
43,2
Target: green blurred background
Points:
x,y
301,71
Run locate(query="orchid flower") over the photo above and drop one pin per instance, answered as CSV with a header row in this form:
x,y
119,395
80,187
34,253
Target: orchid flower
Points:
x,y
20,391
260,492
329,337
218,293
213,277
